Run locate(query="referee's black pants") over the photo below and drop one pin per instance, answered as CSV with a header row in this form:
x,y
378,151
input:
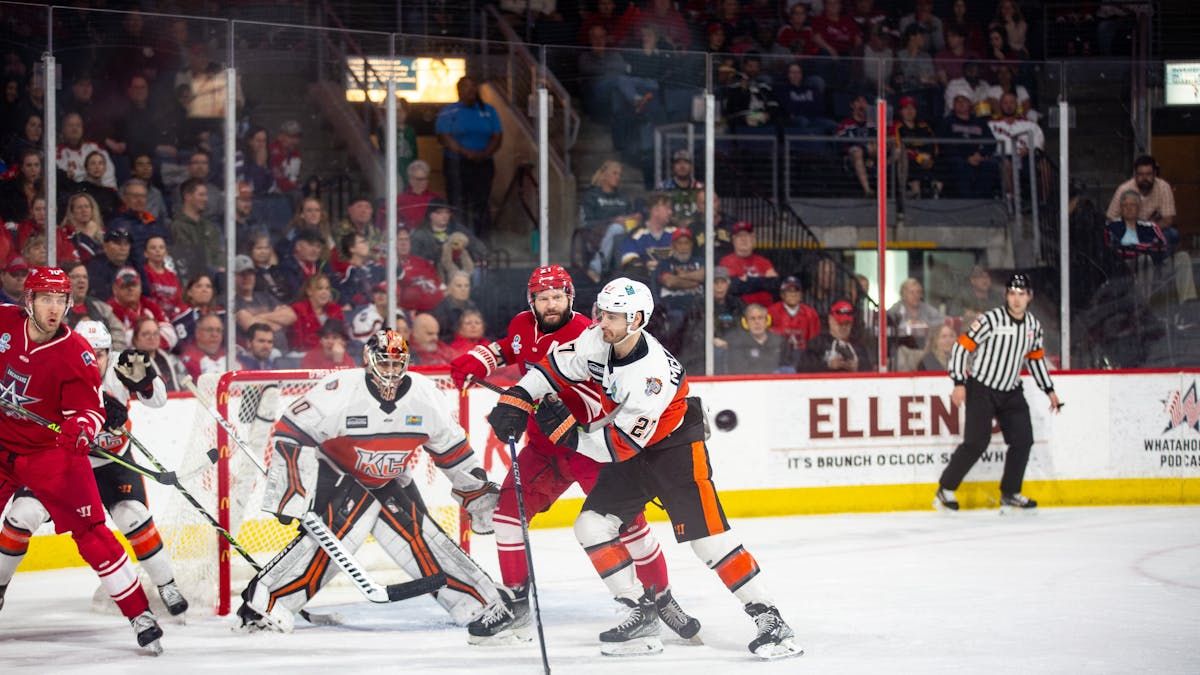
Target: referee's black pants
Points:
x,y
1012,413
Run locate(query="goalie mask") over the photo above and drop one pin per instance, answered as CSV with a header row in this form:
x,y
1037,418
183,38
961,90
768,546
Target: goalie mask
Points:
x,y
385,357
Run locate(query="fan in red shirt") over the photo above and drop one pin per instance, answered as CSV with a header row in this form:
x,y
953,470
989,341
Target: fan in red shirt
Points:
x,y
837,29
162,284
331,349
312,310
427,349
419,284
50,370
753,277
469,333
547,470
793,319
129,305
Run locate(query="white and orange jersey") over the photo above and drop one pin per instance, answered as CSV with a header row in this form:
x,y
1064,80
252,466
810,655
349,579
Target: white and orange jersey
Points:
x,y
648,385
112,385
377,442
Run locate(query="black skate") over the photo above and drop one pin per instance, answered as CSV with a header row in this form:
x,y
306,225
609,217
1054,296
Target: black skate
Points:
x,y
145,626
502,623
945,500
173,599
637,634
675,618
1017,502
774,639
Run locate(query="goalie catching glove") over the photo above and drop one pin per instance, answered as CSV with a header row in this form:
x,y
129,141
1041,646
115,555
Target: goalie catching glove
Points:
x,y
136,371
511,414
479,501
557,423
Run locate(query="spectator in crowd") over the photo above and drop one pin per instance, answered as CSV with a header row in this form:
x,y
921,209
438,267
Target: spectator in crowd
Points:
x,y
937,352
1018,137
914,320
285,157
914,140
924,19
1010,19
791,318
28,138
85,306
128,305
470,134
754,278
997,48
136,219
146,338
961,18
802,103
469,332
978,296
12,281
200,300
81,230
35,251
199,246
607,214
256,162
137,125
860,156
143,170
102,269
868,16
18,193
254,306
413,202
360,219
722,226
727,311
681,186
331,348
198,168
159,282
406,141
209,91
836,350
73,152
915,75
456,256
269,276
433,236
311,216
1006,85
737,27
971,85
837,32
315,306
427,349
650,244
599,68
797,35
751,103
1139,245
94,166
970,166
244,220
754,350
361,273
206,354
662,16
10,239
604,15
950,61
80,100
419,287
878,61
681,279
369,319
457,301
260,352
304,263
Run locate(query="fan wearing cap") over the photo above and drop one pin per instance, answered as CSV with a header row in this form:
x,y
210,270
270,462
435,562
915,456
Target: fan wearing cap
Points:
x,y
285,157
12,281
972,166
985,366
331,348
304,262
754,277
128,305
102,269
835,350
253,306
358,220
682,186
914,137
790,317
681,277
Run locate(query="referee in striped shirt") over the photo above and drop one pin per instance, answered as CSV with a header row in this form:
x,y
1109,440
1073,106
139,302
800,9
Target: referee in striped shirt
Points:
x,y
1001,342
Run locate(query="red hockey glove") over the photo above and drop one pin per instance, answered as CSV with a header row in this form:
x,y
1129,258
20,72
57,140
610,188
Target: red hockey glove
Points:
x,y
76,435
478,362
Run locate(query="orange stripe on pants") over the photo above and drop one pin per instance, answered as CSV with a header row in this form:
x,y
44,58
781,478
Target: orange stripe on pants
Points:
x,y
708,494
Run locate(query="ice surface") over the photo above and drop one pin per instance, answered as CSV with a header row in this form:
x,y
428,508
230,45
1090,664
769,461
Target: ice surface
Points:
x,y
1089,590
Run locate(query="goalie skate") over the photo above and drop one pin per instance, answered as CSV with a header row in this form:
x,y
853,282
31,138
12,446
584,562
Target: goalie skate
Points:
x,y
503,623
148,633
637,634
775,638
253,621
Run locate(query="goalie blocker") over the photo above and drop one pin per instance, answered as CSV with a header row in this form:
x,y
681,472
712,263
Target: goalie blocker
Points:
x,y
344,451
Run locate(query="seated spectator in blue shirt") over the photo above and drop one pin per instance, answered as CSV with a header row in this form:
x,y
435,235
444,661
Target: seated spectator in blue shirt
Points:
x,y
802,103
1129,237
650,244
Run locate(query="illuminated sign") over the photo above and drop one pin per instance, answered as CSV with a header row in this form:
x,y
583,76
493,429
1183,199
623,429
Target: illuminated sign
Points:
x,y
418,79
1182,82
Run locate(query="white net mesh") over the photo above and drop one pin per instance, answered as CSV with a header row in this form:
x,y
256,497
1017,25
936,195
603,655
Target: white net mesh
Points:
x,y
252,403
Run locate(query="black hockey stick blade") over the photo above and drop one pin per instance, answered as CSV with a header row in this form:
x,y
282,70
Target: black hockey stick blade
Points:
x,y
416,587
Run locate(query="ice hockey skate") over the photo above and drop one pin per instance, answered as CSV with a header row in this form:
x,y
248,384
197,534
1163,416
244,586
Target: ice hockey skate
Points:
x,y
173,599
775,637
637,634
944,500
2,589
1017,503
148,632
503,623
679,621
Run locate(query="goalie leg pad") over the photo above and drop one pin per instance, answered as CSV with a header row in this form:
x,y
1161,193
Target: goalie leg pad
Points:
x,y
421,548
598,535
136,523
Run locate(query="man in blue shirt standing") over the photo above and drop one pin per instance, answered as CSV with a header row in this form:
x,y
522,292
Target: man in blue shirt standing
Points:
x,y
470,134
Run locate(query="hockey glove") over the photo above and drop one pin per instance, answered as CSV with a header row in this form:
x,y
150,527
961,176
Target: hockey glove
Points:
x,y
556,421
511,413
478,362
75,435
136,371
479,502
115,414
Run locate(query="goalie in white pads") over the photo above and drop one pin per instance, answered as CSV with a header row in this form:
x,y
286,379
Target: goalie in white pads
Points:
x,y
122,491
345,451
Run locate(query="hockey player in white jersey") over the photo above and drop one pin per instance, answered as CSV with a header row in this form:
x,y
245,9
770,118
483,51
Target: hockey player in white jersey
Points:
x,y
122,491
345,451
653,447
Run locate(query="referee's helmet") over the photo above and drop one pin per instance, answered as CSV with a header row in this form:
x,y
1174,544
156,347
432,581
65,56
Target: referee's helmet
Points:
x,y
1019,281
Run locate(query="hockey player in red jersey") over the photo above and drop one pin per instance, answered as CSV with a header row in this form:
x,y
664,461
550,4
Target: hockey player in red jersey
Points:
x,y
547,470
50,370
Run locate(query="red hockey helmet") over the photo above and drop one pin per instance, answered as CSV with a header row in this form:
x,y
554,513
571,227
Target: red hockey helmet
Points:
x,y
549,277
47,280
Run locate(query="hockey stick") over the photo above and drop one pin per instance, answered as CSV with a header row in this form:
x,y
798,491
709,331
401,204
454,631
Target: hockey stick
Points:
x,y
162,476
190,385
312,525
587,428
537,606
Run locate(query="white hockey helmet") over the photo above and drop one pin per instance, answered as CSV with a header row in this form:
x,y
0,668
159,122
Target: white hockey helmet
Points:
x,y
95,333
628,297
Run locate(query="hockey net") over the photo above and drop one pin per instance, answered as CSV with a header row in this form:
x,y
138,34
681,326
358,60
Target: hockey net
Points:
x,y
228,484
